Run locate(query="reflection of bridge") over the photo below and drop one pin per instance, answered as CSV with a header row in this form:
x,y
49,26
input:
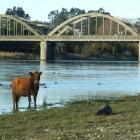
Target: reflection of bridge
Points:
x,y
85,27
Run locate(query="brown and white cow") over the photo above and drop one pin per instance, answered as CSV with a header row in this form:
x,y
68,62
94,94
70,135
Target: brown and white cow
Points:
x,y
25,86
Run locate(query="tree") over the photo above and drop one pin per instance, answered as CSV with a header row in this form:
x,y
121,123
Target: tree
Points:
x,y
52,15
57,17
76,12
100,10
63,16
17,11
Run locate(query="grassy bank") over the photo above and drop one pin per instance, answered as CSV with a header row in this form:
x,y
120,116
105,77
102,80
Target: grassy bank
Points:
x,y
75,121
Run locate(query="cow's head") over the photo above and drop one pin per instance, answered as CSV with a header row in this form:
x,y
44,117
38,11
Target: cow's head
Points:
x,y
36,76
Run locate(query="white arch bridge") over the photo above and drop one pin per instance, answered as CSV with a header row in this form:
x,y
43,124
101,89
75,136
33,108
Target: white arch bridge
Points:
x,y
85,27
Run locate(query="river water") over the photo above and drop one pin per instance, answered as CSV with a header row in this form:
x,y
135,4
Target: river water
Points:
x,y
67,81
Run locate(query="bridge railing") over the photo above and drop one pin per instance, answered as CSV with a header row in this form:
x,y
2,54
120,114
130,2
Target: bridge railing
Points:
x,y
20,38
92,38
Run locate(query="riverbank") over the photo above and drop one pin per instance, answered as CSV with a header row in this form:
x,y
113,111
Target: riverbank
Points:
x,y
75,121
99,57
66,56
18,56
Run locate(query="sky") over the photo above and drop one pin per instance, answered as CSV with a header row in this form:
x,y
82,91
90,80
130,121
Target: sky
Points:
x,y
39,9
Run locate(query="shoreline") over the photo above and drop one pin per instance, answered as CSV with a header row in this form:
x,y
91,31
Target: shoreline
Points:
x,y
17,56
66,57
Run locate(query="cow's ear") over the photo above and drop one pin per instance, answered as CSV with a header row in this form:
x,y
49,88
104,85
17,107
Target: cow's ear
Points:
x,y
40,73
31,73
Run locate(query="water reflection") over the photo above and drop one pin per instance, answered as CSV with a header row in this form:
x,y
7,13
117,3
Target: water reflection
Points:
x,y
42,65
64,81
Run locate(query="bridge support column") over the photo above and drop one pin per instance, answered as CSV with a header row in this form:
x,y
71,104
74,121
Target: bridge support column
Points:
x,y
43,50
139,52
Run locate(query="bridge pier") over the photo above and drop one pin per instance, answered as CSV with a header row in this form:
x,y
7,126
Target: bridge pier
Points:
x,y
43,50
139,52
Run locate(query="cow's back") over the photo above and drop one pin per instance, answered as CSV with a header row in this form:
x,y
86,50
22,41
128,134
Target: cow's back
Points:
x,y
22,86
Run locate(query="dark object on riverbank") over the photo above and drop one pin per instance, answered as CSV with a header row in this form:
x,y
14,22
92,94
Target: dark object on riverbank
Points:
x,y
105,110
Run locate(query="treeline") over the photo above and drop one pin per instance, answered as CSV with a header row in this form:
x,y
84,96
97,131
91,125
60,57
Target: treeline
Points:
x,y
99,50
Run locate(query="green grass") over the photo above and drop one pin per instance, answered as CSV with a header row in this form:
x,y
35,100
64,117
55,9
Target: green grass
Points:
x,y
75,121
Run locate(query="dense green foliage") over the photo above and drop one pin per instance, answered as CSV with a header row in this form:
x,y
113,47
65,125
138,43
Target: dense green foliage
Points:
x,y
17,11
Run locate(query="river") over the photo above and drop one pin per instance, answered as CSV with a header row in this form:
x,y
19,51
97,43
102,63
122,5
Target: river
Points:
x,y
68,81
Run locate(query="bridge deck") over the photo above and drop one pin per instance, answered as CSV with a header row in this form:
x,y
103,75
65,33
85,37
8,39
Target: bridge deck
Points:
x,y
20,38
93,38
71,38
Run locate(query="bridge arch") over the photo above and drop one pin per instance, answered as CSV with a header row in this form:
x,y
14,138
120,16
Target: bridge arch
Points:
x,y
121,26
15,26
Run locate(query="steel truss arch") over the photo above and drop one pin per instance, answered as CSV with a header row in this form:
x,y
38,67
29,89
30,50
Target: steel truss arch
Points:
x,y
82,17
16,20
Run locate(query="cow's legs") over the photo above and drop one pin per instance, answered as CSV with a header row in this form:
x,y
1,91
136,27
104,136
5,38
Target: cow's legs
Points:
x,y
35,101
29,100
16,102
